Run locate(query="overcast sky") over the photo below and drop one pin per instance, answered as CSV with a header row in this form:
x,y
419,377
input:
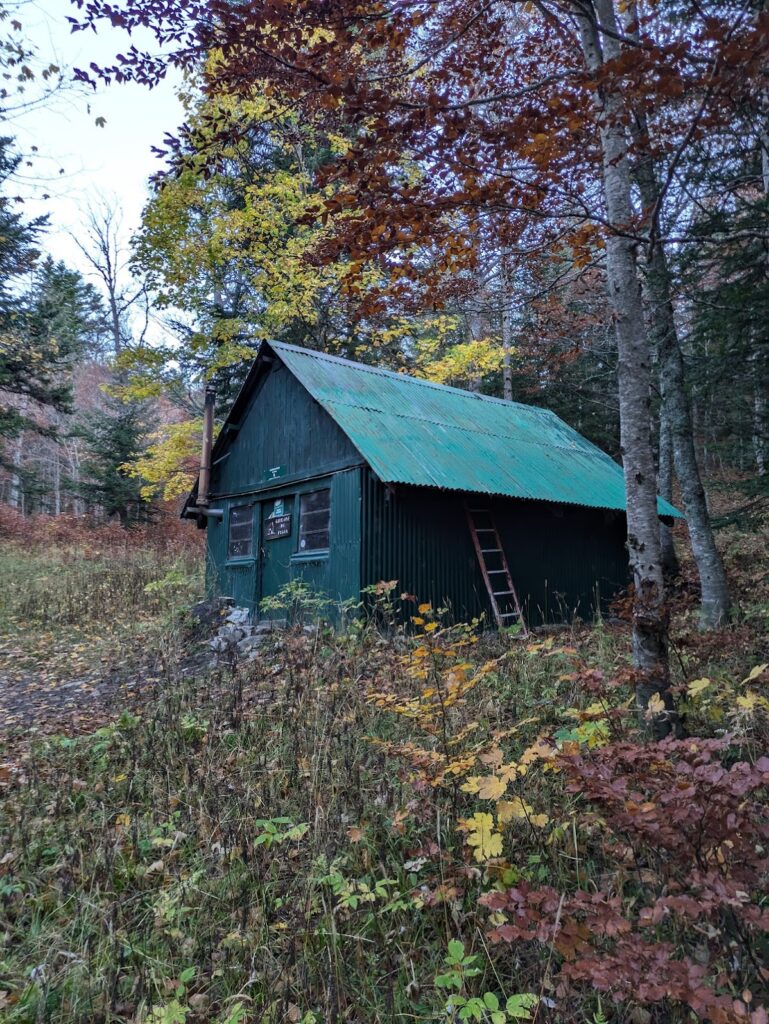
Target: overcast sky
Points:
x,y
114,161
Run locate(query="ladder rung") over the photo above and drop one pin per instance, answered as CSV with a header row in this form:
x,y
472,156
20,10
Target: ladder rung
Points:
x,y
481,552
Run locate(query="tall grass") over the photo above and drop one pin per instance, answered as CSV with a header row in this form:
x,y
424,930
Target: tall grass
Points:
x,y
65,571
249,829
55,588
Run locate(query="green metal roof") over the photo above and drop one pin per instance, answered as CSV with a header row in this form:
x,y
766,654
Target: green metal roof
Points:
x,y
411,431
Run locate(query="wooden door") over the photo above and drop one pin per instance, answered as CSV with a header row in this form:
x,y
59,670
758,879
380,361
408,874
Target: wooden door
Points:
x,y
277,544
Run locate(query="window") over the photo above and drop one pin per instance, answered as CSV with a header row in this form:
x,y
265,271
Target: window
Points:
x,y
241,539
314,517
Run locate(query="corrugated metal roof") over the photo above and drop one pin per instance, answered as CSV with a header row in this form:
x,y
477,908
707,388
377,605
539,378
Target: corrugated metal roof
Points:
x,y
411,431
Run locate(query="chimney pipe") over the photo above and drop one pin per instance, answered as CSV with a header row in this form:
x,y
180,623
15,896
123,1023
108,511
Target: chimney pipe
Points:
x,y
204,480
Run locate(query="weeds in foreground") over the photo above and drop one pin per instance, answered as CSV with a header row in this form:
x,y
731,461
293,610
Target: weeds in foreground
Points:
x,y
369,828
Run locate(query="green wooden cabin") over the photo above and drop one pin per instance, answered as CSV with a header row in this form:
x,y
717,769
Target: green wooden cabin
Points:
x,y
344,475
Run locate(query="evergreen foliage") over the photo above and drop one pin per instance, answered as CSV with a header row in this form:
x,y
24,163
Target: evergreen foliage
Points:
x,y
29,366
114,437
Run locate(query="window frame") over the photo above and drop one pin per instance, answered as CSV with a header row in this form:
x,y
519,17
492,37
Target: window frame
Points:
x,y
305,552
250,555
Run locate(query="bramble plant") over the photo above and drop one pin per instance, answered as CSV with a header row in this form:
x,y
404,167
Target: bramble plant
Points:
x,y
274,831
486,1007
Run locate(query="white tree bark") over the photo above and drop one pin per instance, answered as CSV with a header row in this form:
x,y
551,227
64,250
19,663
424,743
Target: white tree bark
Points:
x,y
670,563
650,648
506,324
760,436
676,418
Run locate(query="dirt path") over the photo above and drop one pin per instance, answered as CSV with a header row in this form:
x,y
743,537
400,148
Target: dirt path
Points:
x,y
68,682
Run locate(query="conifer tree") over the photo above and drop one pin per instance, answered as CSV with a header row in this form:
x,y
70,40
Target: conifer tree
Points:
x,y
115,437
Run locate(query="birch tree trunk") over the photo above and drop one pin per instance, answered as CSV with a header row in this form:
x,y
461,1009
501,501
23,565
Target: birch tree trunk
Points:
x,y
650,642
676,412
715,603
760,434
15,495
670,564
760,415
506,324
16,491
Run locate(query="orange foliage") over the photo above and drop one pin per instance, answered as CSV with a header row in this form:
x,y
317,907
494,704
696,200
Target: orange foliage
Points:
x,y
168,533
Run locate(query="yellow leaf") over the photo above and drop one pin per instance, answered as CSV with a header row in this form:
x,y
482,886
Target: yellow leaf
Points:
x,y
656,706
423,609
749,702
491,787
507,810
755,672
123,820
481,836
515,808
430,627
697,686
510,771
539,750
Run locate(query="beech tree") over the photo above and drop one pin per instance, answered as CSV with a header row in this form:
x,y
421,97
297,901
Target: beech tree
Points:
x,y
512,119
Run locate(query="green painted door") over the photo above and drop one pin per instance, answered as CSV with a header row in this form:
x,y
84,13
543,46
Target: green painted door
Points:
x,y
278,541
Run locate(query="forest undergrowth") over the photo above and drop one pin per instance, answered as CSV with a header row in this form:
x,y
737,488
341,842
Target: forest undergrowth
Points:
x,y
378,825
83,614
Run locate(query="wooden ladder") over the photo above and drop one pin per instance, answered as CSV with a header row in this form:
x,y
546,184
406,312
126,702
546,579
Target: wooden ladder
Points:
x,y
494,567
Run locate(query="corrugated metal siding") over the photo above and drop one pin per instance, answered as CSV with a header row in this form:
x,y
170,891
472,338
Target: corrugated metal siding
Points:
x,y
564,561
216,552
560,559
281,427
337,575
415,432
345,553
420,538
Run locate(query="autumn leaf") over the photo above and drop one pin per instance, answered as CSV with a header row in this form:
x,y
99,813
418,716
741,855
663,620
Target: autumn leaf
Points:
x,y
755,672
697,686
481,836
751,701
656,706
488,787
507,810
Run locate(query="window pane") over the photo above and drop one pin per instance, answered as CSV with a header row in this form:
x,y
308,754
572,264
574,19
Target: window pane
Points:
x,y
316,500
241,538
314,518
